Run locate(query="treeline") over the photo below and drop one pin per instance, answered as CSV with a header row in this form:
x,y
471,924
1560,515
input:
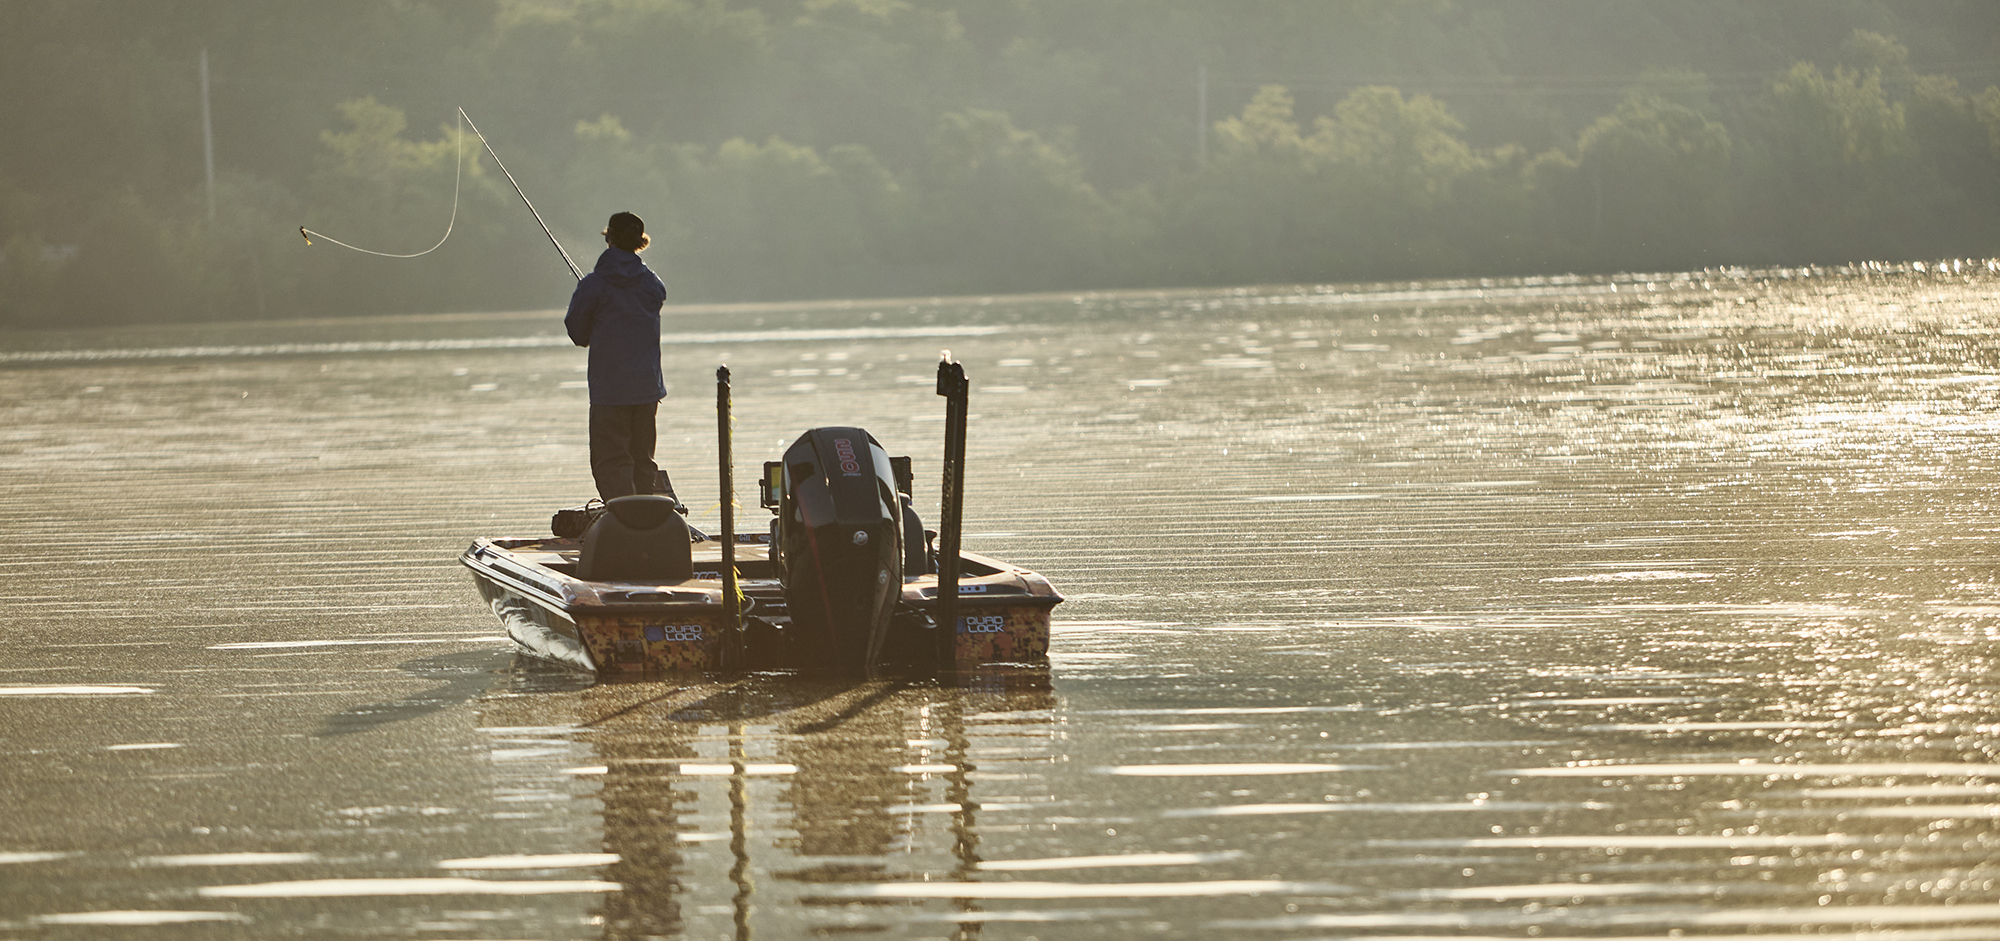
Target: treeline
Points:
x,y
840,148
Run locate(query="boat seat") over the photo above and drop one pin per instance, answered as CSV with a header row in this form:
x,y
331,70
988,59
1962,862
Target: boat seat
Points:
x,y
640,538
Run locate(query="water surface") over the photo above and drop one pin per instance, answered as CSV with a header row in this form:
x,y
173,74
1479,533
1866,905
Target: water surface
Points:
x,y
1634,608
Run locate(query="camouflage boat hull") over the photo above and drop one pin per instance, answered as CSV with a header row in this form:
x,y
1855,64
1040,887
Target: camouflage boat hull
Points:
x,y
644,629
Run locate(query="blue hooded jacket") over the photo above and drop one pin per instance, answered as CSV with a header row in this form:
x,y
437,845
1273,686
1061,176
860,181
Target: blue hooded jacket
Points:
x,y
616,313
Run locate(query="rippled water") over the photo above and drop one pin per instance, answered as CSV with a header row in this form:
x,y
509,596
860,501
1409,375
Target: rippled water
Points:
x,y
1627,608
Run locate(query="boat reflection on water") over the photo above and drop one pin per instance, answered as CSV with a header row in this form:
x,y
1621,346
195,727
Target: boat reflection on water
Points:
x,y
739,804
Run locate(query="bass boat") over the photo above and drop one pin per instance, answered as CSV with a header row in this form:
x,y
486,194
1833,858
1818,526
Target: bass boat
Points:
x,y
845,580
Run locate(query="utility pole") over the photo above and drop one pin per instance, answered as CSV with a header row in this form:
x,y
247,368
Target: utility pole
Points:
x,y
1201,112
207,137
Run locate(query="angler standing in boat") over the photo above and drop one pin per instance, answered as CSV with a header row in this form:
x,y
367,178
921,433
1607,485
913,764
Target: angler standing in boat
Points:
x,y
616,313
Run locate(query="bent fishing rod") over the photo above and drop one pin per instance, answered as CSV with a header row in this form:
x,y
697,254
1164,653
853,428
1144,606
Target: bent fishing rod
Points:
x,y
573,269
576,272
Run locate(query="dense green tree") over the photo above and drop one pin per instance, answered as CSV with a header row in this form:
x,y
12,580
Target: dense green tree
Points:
x,y
1004,209
752,221
801,148
1259,187
876,73
1986,107
1396,165
1957,165
669,68
1373,190
611,171
1649,187
1834,143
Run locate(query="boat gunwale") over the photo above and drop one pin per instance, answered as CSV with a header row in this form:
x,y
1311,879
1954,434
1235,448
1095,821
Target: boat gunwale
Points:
x,y
488,559
572,608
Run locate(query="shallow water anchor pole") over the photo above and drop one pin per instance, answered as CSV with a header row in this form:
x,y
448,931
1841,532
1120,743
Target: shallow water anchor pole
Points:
x,y
732,613
952,384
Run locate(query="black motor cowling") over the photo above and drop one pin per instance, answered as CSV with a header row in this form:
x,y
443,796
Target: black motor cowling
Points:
x,y
840,544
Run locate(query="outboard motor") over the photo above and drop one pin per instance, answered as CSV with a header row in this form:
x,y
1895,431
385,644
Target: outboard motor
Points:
x,y
839,542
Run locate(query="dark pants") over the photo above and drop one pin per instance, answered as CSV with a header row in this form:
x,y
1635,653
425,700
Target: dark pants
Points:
x,y
621,448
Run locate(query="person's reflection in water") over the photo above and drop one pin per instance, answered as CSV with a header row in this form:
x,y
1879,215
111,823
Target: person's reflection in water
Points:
x,y
843,753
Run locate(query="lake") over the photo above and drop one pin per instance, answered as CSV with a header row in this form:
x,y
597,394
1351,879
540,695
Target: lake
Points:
x,y
1639,607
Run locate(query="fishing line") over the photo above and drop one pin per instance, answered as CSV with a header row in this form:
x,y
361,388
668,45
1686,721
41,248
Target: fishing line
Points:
x,y
466,120
458,165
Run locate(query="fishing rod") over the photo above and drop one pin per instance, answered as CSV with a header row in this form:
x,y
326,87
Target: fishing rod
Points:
x,y
573,269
